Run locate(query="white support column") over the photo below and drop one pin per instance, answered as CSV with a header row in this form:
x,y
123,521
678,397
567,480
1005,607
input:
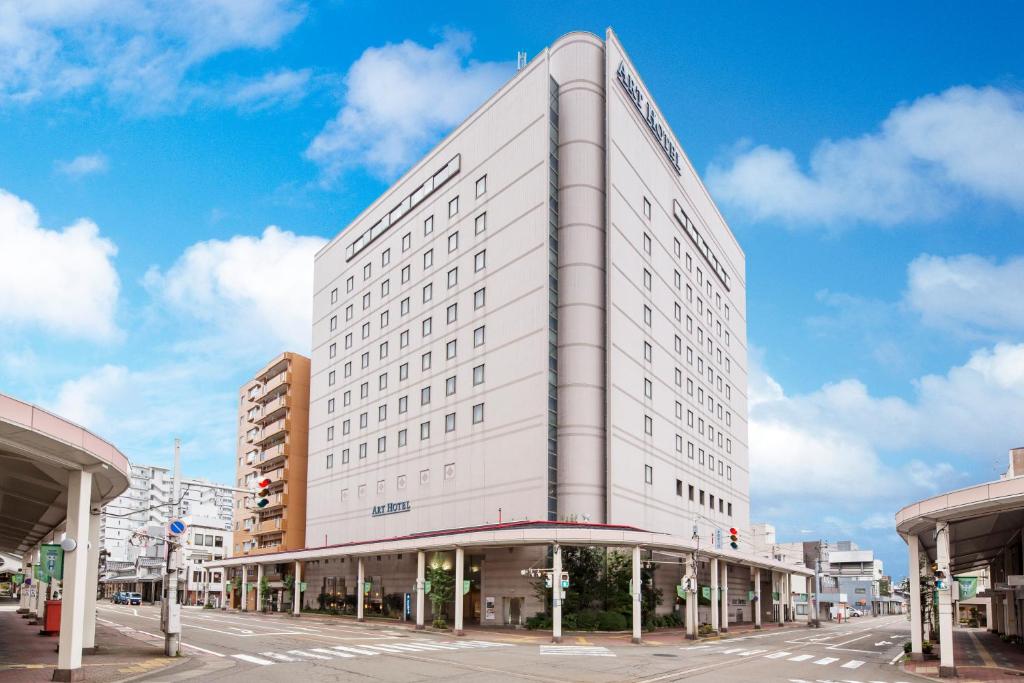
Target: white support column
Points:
x,y
76,571
757,598
947,667
297,590
244,602
692,613
556,594
223,587
725,598
637,595
460,573
360,590
716,604
421,571
92,584
259,588
914,573
790,599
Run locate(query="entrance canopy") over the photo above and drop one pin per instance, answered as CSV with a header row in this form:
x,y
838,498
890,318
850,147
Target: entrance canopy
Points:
x,y
983,520
38,450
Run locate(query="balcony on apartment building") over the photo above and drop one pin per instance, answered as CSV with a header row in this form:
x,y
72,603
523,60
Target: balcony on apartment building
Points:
x,y
274,430
275,386
277,501
275,525
274,456
275,408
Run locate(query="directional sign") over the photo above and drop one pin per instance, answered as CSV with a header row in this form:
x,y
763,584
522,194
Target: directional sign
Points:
x,y
177,527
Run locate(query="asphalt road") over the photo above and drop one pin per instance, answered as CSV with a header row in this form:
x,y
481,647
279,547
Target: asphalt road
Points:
x,y
228,646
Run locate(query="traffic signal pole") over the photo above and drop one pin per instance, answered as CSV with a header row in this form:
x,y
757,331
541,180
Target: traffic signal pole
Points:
x,y
171,611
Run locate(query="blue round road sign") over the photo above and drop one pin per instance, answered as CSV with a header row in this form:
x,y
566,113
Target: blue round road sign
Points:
x,y
176,527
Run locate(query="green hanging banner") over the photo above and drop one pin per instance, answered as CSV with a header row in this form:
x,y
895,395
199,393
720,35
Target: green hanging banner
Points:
x,y
51,557
426,586
705,592
465,586
681,592
775,596
367,585
968,587
750,596
18,579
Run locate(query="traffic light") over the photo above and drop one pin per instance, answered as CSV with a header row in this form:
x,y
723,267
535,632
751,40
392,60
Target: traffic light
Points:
x,y
565,579
263,493
547,580
734,538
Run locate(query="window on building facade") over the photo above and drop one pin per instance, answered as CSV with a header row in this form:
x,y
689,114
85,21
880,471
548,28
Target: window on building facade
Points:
x,y
480,224
648,474
481,185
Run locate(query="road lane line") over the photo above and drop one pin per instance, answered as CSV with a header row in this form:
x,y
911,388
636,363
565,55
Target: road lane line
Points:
x,y
253,660
824,661
853,664
896,658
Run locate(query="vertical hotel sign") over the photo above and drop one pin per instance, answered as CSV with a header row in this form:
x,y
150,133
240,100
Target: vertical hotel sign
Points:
x,y
642,102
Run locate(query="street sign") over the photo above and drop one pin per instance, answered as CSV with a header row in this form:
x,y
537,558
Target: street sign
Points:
x,y
177,527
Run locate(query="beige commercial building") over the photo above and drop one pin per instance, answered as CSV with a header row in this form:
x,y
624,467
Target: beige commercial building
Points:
x,y
540,326
273,428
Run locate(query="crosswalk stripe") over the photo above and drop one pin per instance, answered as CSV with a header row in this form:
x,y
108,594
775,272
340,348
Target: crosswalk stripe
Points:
x,y
435,645
800,658
354,650
384,648
732,650
826,660
325,651
751,652
279,657
413,648
310,655
253,660
777,655
852,664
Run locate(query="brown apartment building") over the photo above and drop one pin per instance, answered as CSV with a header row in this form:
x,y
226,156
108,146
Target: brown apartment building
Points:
x,y
273,432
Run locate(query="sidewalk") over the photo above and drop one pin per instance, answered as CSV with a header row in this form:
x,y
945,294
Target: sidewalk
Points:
x,y
26,656
979,656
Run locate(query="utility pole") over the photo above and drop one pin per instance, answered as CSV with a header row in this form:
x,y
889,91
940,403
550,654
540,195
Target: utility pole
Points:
x,y
171,609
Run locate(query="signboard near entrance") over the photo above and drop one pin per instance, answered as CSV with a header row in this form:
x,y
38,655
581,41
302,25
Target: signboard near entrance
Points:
x,y
489,609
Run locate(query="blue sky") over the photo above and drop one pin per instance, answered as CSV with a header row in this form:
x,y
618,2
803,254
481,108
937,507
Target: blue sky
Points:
x,y
165,168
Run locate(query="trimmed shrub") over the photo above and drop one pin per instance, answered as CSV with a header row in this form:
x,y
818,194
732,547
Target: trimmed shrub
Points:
x,y
611,621
588,620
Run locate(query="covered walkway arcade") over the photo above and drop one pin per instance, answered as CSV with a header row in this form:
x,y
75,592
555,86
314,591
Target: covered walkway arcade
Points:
x,y
54,478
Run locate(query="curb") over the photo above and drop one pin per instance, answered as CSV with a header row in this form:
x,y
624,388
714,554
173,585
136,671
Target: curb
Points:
x,y
185,659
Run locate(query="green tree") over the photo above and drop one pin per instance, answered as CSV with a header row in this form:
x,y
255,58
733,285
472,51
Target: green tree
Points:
x,y
442,584
884,588
586,578
265,592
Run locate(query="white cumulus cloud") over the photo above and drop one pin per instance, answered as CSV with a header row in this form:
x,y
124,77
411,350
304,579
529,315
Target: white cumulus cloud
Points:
x,y
138,51
926,158
967,291
400,98
61,280
274,88
257,288
83,165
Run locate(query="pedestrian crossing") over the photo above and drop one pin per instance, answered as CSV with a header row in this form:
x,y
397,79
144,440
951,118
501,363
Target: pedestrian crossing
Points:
x,y
330,652
817,660
576,650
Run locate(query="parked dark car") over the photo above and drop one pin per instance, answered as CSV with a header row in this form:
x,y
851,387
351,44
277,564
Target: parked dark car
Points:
x,y
134,598
118,598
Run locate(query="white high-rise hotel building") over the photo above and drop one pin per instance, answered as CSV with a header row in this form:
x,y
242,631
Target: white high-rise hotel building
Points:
x,y
543,319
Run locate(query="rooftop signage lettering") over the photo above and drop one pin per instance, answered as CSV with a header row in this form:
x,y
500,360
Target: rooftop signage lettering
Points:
x,y
643,105
390,508
702,246
416,197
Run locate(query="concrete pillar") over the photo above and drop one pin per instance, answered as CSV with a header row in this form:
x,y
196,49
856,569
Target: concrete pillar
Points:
x,y
244,602
724,628
223,587
637,596
947,667
421,577
556,594
716,604
360,590
790,599
914,572
259,587
76,571
692,614
297,590
460,573
92,582
757,598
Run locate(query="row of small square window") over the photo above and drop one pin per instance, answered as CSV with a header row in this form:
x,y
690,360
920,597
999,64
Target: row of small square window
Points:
x,y
479,226
450,385
649,394
426,359
479,264
362,449
426,326
400,482
724,387
725,442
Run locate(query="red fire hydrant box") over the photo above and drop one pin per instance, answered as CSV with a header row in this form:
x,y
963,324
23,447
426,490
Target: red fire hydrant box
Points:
x,y
51,618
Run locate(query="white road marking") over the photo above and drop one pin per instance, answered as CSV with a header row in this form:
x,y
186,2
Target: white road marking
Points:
x,y
826,660
853,664
777,655
325,651
800,658
310,655
576,650
896,658
279,657
354,650
732,650
383,648
751,652
253,660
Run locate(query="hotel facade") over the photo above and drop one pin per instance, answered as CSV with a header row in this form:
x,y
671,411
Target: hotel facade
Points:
x,y
537,334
